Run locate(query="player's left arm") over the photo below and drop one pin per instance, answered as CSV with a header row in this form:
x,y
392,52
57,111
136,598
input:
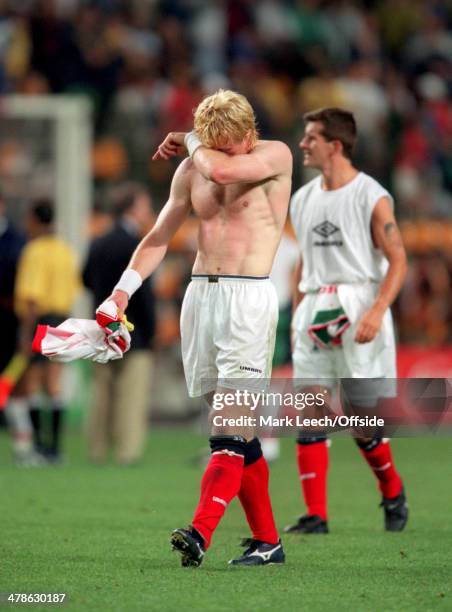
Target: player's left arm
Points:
x,y
386,236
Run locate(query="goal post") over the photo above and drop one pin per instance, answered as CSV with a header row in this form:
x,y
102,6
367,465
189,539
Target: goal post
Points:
x,y
72,145
49,142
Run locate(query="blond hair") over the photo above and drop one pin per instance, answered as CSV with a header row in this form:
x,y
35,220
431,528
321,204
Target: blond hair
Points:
x,y
223,117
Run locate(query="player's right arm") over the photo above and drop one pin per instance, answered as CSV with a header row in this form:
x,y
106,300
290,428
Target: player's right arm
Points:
x,y
270,159
152,249
264,162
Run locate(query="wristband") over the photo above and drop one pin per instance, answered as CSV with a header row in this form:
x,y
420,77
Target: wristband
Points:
x,y
192,142
129,282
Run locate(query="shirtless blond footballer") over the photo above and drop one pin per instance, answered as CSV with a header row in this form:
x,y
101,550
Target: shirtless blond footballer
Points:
x,y
239,187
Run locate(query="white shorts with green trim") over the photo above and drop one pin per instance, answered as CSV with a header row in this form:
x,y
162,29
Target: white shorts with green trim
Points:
x,y
313,366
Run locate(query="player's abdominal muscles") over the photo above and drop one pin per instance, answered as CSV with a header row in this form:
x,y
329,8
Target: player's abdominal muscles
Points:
x,y
233,249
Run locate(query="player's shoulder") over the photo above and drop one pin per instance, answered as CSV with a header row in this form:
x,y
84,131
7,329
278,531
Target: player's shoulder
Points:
x,y
368,182
185,171
275,145
371,190
186,166
282,148
364,179
276,148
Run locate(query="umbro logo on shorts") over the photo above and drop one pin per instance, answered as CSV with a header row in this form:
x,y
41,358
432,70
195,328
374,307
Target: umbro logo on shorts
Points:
x,y
248,369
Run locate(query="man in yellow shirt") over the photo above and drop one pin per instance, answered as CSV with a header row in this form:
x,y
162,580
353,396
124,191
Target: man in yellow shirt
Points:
x,y
47,283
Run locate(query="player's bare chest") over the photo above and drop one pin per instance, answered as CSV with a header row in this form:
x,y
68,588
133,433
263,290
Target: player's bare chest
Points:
x,y
210,199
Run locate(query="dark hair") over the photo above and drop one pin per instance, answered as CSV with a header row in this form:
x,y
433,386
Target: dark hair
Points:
x,y
123,197
337,124
43,211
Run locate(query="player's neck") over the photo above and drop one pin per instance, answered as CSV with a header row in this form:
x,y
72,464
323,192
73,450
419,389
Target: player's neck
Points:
x,y
337,174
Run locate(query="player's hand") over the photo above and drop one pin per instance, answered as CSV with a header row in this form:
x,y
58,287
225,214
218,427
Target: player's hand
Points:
x,y
172,146
121,299
369,325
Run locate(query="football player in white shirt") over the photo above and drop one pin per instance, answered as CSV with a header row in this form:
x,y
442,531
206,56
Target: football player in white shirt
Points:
x,y
351,269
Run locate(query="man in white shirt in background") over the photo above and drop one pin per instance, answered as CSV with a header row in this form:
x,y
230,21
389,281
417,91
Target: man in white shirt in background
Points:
x,y
351,269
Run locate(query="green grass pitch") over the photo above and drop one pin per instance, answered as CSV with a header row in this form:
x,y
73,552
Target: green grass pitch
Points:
x,y
100,534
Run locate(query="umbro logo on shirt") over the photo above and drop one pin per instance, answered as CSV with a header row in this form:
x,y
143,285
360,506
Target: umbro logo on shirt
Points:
x,y
326,229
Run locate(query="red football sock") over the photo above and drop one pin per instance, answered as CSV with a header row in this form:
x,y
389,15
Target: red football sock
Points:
x,y
219,485
313,470
255,500
382,465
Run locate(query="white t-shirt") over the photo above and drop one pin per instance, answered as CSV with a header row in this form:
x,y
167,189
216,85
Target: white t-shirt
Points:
x,y
334,233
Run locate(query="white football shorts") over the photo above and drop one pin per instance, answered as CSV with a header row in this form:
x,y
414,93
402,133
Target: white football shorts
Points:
x,y
228,328
375,361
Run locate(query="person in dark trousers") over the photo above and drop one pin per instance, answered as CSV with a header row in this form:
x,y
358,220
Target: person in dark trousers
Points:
x,y
118,417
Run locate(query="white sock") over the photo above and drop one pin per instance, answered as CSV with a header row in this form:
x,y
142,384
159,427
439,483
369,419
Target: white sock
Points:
x,y
19,422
